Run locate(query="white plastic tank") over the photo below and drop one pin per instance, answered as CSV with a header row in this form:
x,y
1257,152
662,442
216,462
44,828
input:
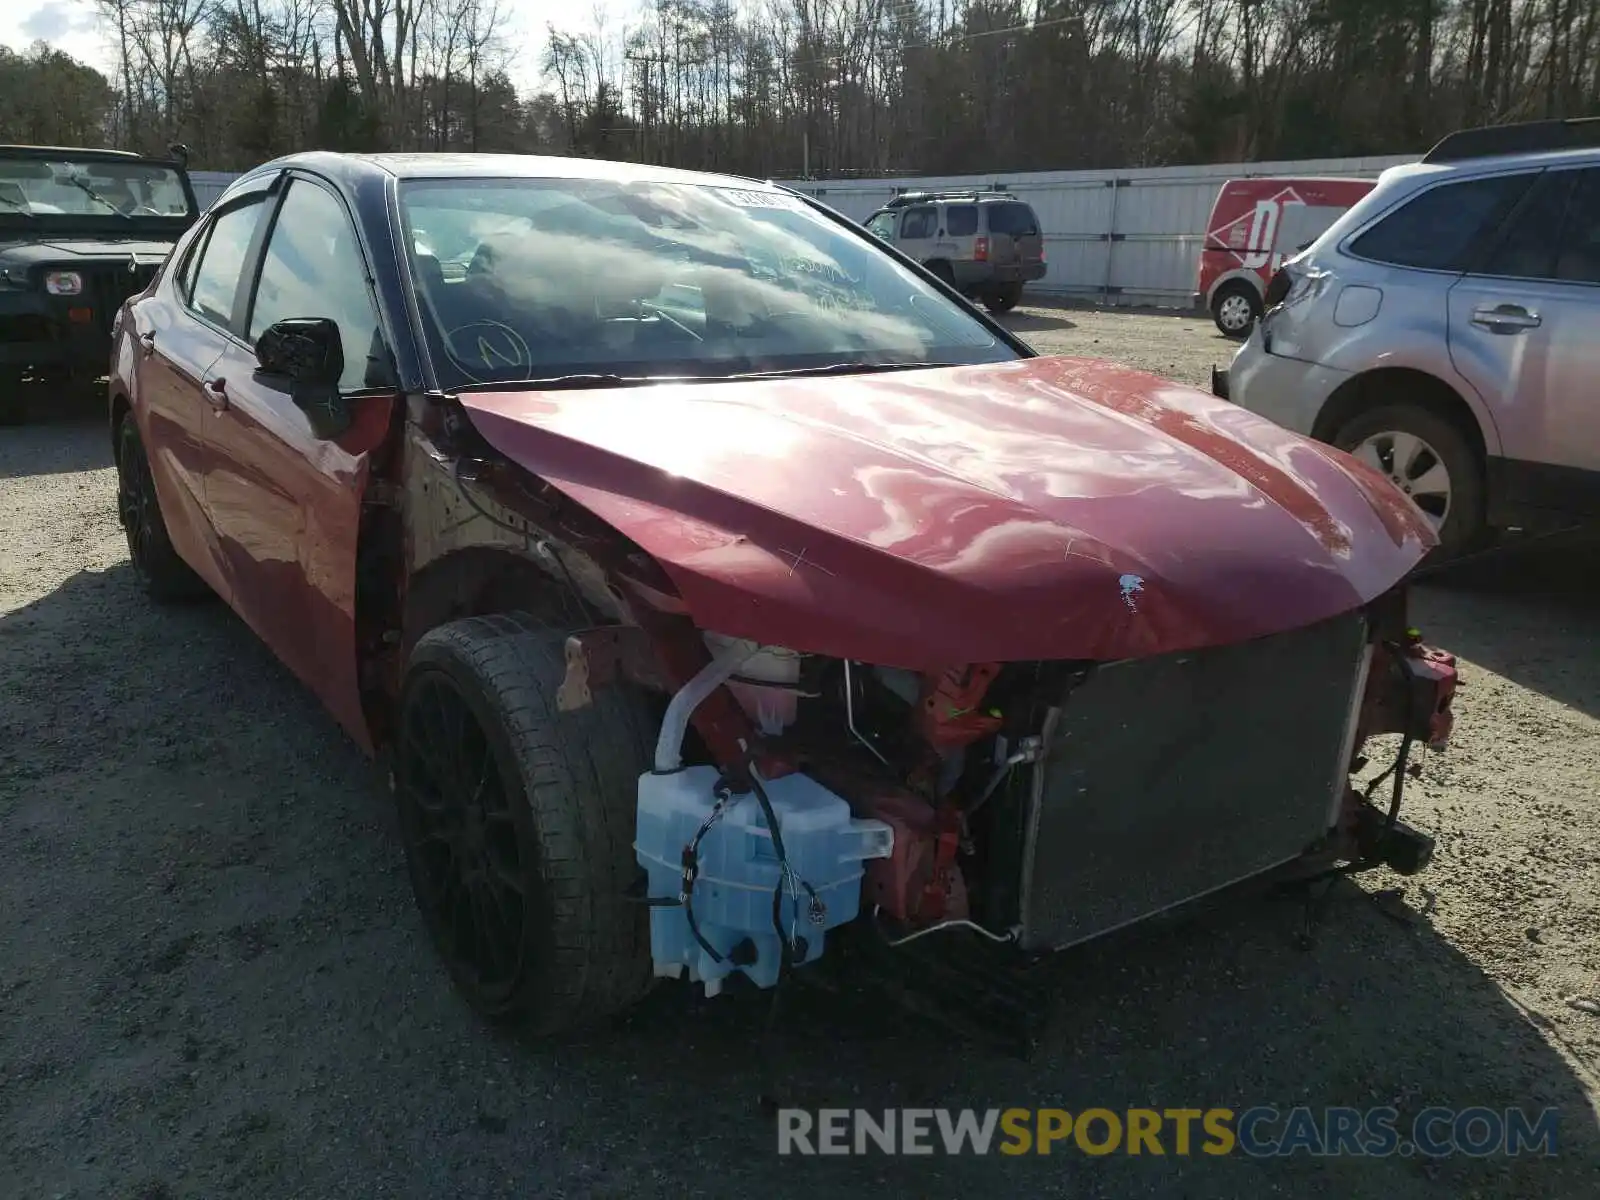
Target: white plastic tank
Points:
x,y
766,685
730,902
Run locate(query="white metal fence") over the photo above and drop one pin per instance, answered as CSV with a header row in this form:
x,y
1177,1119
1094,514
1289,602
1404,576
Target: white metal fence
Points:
x,y
1125,237
208,185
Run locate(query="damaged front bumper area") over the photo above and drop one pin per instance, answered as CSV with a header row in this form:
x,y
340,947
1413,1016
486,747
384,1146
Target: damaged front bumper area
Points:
x,y
1171,777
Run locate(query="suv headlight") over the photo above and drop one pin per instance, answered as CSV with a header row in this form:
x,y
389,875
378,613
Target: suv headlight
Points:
x,y
63,283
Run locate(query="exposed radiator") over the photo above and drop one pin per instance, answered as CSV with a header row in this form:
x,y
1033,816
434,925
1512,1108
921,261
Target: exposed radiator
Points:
x,y
1170,777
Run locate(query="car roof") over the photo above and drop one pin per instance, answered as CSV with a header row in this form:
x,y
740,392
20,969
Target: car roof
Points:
x,y
1490,164
351,167
75,151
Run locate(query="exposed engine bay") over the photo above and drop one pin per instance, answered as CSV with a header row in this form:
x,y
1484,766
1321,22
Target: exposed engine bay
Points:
x,y
969,772
1036,804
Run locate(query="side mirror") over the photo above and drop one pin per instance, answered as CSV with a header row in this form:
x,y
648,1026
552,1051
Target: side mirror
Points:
x,y
303,350
307,354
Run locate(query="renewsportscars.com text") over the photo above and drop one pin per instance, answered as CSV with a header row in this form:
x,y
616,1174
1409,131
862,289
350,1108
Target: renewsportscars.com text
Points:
x,y
1259,1132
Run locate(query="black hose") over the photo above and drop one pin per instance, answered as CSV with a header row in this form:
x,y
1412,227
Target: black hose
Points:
x,y
1400,759
691,871
794,952
1397,769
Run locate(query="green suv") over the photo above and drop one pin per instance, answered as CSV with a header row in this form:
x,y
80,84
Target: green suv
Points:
x,y
80,232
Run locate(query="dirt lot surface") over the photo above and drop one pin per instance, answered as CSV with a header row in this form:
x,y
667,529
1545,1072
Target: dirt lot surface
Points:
x,y
213,981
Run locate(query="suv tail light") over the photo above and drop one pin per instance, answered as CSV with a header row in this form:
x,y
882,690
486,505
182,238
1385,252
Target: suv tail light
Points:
x,y
980,250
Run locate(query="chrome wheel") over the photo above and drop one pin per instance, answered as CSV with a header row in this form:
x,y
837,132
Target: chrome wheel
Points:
x,y
1414,467
1234,314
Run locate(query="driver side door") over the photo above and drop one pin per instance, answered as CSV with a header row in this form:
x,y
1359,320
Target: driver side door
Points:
x,y
286,501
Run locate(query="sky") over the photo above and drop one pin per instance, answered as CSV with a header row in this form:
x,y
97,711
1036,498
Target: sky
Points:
x,y
75,27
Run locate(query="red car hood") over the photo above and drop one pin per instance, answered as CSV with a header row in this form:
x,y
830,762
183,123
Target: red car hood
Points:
x,y
1049,508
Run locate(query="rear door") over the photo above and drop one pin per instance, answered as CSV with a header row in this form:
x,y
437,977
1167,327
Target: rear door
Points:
x,y
1014,235
181,331
1525,332
287,502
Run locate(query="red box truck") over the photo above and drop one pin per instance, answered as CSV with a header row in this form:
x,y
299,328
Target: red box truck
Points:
x,y
1254,225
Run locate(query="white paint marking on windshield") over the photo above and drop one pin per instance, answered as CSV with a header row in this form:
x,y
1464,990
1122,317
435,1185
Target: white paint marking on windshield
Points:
x,y
747,199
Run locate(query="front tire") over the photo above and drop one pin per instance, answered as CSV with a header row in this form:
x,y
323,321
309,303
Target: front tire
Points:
x,y
1429,458
166,578
1236,308
518,824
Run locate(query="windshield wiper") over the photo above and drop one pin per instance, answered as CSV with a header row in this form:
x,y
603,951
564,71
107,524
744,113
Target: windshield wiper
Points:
x,y
19,206
842,368
88,191
560,383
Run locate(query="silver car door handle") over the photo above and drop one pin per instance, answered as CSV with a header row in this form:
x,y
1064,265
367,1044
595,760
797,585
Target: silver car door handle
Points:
x,y
1505,318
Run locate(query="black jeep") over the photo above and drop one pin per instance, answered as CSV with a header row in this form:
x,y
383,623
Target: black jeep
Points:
x,y
80,232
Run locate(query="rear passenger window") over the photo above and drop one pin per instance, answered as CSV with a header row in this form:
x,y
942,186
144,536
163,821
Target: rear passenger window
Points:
x,y
1439,229
1532,241
222,262
191,261
1579,260
961,220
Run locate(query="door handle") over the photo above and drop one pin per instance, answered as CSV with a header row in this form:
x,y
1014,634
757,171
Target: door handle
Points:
x,y
217,393
1505,318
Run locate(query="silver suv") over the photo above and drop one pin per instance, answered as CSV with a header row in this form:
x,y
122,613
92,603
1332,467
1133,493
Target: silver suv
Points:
x,y
1446,331
984,244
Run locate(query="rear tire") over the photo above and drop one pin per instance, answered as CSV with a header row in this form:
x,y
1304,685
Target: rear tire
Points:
x,y
1003,299
518,823
1236,308
166,578
1431,459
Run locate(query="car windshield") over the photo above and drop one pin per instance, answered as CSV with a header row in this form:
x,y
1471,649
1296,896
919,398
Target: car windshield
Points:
x,y
542,278
65,187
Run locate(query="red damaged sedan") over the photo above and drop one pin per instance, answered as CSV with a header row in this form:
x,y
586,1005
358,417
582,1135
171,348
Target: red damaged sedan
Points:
x,y
714,579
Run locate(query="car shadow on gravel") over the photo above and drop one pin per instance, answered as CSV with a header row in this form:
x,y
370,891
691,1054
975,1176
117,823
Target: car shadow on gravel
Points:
x,y
215,983
1033,321
1529,613
56,446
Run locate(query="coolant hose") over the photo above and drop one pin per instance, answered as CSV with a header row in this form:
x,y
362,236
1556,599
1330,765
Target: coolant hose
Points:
x,y
669,743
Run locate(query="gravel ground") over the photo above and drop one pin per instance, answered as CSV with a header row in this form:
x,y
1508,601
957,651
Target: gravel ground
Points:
x,y
213,982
